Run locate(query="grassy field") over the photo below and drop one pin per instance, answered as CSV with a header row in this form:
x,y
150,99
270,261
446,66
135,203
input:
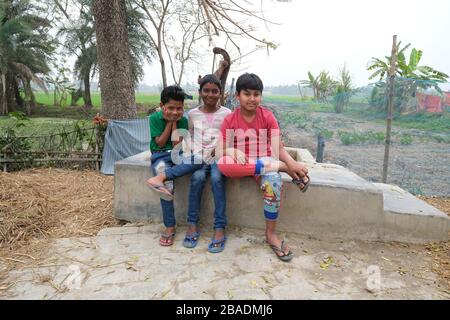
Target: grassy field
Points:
x,y
141,98
47,117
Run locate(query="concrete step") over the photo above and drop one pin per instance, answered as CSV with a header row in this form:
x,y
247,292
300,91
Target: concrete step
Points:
x,y
409,219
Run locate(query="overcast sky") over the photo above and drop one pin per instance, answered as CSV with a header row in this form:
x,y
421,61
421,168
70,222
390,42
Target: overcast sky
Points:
x,y
325,34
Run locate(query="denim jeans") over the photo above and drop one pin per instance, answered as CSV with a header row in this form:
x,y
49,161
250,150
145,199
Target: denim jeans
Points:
x,y
198,180
162,162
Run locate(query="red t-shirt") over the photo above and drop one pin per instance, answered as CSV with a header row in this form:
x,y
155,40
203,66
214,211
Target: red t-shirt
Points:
x,y
255,138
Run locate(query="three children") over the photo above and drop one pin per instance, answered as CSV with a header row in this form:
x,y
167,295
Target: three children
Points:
x,y
247,144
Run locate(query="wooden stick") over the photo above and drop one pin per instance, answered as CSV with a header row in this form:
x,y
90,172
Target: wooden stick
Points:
x,y
392,71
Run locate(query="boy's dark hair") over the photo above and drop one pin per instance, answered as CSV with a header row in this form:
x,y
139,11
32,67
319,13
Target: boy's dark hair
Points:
x,y
172,93
210,78
249,81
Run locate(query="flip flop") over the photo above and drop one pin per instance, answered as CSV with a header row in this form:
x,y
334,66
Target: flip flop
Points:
x,y
161,190
191,240
217,246
301,181
286,257
166,240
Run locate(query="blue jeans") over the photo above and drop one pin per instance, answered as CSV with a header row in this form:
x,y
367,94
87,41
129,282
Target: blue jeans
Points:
x,y
198,180
162,162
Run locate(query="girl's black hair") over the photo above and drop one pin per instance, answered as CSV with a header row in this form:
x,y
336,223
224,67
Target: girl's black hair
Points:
x,y
210,78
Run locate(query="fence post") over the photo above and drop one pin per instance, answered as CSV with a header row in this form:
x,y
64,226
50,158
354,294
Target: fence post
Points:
x,y
97,165
3,155
320,148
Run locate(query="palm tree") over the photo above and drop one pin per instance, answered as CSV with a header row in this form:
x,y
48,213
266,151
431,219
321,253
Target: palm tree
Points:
x,y
25,48
81,41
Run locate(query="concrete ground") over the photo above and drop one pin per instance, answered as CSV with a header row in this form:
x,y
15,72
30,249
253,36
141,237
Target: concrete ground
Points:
x,y
128,263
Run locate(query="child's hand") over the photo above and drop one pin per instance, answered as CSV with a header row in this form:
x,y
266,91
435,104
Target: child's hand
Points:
x,y
237,155
297,170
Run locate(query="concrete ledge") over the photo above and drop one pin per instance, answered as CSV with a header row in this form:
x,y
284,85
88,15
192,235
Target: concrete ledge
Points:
x,y
338,204
407,218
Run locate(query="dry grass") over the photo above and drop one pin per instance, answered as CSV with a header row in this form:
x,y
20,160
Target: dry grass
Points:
x,y
440,251
38,205
41,204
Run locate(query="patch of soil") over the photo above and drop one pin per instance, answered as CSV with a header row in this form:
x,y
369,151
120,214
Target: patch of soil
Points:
x,y
422,168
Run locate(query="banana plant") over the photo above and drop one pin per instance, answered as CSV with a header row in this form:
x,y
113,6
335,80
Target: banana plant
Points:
x,y
411,74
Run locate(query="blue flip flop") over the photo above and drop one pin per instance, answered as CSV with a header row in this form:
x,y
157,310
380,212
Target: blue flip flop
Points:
x,y
161,190
217,246
191,240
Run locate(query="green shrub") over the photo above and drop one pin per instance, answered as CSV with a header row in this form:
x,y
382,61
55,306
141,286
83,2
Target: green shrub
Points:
x,y
327,134
406,139
369,137
442,139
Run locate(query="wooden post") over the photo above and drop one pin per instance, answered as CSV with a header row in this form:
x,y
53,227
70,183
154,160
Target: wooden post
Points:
x,y
3,155
392,71
229,103
320,148
96,131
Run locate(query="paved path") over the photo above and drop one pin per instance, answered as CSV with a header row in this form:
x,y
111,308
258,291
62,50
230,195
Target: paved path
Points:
x,y
128,263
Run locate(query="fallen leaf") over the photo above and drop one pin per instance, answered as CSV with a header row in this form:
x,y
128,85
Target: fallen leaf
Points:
x,y
326,263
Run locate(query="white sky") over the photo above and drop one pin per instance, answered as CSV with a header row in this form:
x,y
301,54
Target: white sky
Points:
x,y
325,34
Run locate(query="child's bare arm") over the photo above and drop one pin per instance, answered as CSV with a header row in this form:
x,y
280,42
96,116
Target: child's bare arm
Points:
x,y
295,169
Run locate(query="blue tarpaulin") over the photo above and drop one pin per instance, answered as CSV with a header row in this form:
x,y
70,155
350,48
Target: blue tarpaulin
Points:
x,y
123,139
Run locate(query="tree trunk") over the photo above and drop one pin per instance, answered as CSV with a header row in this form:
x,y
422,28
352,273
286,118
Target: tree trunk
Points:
x,y
114,59
163,68
4,109
19,99
87,91
30,102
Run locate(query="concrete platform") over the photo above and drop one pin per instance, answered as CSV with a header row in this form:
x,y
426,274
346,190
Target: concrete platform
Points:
x,y
128,263
409,218
338,204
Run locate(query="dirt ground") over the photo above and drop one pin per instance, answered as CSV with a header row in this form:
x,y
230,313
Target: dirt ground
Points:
x,y
422,168
39,205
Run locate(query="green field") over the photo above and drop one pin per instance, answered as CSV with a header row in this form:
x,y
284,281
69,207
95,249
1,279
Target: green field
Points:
x,y
141,98
46,117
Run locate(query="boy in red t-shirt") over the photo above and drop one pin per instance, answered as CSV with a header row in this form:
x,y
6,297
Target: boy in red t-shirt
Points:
x,y
251,146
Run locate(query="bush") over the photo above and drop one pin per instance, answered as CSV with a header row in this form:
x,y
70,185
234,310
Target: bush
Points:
x,y
370,137
406,139
11,145
327,134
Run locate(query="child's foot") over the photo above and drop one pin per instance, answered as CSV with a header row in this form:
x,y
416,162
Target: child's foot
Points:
x,y
279,247
218,241
167,237
191,238
156,184
219,234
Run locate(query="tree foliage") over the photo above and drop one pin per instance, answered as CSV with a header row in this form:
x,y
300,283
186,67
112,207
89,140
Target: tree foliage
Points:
x,y
26,48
